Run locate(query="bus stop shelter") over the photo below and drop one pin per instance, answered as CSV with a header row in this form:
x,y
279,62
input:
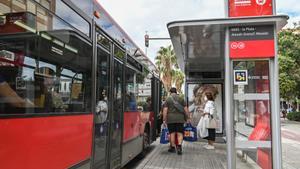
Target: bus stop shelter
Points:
x,y
236,60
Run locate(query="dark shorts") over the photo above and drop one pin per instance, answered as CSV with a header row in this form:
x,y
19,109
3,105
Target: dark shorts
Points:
x,y
211,135
2,79
175,127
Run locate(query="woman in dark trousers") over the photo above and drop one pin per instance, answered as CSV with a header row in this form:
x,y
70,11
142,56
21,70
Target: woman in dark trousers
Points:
x,y
209,110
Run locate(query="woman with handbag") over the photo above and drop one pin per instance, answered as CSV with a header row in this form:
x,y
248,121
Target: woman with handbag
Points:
x,y
210,112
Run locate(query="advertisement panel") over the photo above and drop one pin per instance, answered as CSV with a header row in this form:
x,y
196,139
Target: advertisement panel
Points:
x,y
196,102
251,42
240,8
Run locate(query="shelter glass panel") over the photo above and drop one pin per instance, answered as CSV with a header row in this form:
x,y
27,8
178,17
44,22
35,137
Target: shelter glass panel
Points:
x,y
252,112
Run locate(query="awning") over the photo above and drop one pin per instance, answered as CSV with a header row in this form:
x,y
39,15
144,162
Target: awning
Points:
x,y
200,44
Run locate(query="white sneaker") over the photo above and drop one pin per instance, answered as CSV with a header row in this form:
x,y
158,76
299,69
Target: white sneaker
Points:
x,y
210,147
205,145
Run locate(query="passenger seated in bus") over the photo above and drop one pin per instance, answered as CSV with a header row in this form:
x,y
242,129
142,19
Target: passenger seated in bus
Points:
x,y
8,95
47,96
130,102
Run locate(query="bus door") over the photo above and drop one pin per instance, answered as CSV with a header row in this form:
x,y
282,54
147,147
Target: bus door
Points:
x,y
102,106
117,109
156,102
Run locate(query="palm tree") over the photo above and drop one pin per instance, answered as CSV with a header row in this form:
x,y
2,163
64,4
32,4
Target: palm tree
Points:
x,y
178,79
166,62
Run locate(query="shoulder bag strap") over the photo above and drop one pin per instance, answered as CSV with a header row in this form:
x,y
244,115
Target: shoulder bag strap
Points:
x,y
177,105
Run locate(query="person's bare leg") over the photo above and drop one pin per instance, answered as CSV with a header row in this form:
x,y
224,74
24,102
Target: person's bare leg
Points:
x,y
179,146
172,139
172,143
179,138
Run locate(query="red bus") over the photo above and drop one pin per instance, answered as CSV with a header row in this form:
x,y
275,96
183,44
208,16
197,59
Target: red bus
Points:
x,y
75,90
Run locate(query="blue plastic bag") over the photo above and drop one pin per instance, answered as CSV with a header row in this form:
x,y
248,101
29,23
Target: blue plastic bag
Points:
x,y
164,136
189,133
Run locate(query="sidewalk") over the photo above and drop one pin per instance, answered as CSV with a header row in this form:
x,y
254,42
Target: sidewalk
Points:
x,y
290,134
194,157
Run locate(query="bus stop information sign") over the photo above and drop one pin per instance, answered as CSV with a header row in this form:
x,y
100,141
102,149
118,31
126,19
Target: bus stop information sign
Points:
x,y
252,41
238,8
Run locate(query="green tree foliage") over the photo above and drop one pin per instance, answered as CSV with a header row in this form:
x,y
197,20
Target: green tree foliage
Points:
x,y
289,60
166,62
295,116
178,79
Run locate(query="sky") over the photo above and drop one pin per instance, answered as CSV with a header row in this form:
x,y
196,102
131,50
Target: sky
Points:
x,y
138,16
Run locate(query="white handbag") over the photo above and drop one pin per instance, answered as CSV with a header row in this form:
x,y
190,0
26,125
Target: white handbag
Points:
x,y
213,124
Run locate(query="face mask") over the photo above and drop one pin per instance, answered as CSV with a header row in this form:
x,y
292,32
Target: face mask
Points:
x,y
205,98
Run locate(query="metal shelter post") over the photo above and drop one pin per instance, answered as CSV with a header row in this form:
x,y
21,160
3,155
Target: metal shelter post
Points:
x,y
229,122
275,99
229,116
275,96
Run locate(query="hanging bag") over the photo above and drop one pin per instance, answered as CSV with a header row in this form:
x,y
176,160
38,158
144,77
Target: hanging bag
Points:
x,y
190,133
202,130
164,136
213,123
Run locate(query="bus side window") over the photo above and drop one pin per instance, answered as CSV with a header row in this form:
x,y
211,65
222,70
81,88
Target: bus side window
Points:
x,y
48,97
